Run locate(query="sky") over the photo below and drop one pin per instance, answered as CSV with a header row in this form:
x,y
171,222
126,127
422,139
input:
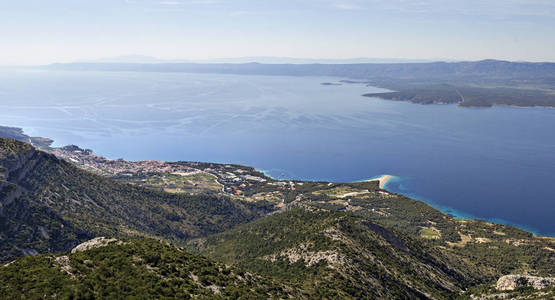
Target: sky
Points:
x,y
47,31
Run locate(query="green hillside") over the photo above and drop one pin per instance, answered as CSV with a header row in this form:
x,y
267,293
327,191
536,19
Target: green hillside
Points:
x,y
485,250
335,254
132,269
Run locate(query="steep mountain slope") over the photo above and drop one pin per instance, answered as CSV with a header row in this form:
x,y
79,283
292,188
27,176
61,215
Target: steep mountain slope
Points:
x,y
49,205
335,254
137,268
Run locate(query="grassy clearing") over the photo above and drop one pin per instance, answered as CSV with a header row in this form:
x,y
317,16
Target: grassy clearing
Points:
x,y
430,233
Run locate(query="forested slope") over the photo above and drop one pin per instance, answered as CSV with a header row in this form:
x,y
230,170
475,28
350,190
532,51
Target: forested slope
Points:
x,y
49,205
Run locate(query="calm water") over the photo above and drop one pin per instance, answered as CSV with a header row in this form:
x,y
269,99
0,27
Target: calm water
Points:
x,y
497,164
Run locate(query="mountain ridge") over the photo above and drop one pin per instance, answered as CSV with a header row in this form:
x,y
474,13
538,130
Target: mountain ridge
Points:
x,y
356,70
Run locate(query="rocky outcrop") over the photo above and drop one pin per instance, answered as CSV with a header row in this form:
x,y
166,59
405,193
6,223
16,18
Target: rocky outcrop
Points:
x,y
95,243
64,264
309,258
511,282
17,163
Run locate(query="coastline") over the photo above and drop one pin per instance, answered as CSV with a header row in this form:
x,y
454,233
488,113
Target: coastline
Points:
x,y
383,180
386,178
385,184
458,214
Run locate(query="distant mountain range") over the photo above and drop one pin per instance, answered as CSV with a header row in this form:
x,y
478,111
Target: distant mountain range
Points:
x,y
252,59
496,68
479,83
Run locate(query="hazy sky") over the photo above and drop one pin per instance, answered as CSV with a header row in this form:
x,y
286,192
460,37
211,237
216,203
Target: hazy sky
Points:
x,y
44,31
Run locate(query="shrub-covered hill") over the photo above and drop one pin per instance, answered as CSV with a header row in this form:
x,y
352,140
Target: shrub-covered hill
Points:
x,y
49,205
333,253
484,250
132,269
336,255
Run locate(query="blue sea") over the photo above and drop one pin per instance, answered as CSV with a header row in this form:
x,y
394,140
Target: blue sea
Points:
x,y
496,164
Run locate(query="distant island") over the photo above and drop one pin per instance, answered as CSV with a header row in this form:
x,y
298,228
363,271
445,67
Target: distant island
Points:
x,y
469,84
466,95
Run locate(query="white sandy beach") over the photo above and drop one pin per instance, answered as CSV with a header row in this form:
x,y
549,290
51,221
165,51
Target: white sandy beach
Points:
x,y
382,179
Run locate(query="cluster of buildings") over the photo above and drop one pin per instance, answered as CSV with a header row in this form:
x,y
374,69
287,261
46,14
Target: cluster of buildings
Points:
x,y
102,165
235,180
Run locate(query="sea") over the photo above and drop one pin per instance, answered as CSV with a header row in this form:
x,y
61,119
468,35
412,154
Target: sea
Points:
x,y
496,164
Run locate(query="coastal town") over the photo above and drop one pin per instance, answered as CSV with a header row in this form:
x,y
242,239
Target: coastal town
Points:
x,y
227,178
169,176
239,182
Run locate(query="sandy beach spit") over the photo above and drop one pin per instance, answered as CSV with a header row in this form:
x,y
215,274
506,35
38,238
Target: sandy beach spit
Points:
x,y
382,179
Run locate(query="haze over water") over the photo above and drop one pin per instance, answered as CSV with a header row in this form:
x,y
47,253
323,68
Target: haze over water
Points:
x,y
495,163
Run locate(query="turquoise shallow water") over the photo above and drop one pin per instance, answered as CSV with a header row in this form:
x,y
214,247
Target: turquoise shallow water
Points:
x,y
396,186
496,164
